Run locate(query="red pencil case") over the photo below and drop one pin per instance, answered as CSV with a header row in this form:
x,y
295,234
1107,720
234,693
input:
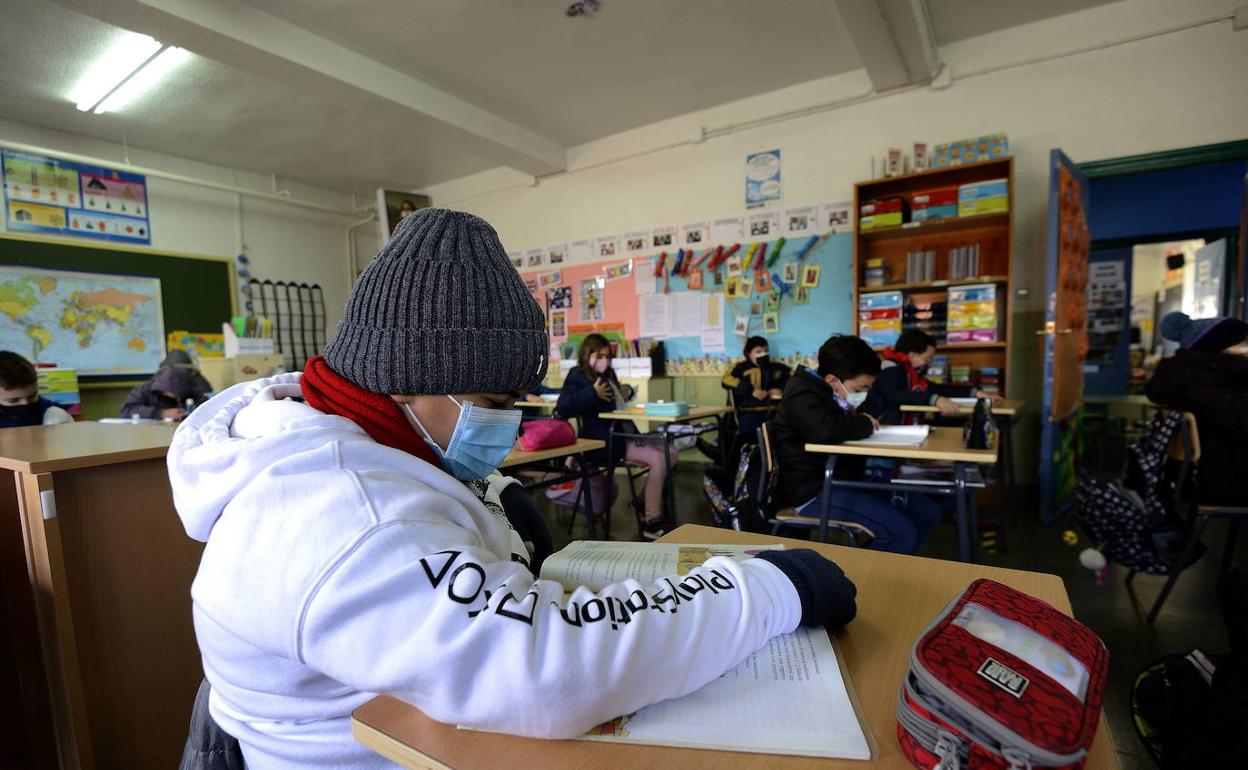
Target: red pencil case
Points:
x,y
1001,679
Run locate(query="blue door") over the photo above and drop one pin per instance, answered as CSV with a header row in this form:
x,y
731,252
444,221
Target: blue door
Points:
x,y
1065,332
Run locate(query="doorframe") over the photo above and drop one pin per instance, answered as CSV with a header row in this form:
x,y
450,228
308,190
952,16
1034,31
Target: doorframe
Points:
x,y
1222,152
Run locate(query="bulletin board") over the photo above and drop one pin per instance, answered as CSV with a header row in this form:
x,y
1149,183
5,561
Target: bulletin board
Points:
x,y
802,327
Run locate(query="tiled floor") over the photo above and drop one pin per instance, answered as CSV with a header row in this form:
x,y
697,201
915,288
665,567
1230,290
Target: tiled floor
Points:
x,y
1189,619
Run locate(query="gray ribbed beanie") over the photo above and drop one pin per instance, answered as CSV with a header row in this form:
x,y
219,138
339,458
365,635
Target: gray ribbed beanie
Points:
x,y
441,310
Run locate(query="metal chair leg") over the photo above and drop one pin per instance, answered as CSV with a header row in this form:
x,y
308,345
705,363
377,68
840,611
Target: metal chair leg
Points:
x,y
1188,550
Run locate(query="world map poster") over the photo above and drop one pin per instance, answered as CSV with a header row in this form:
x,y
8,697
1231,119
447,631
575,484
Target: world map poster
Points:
x,y
97,324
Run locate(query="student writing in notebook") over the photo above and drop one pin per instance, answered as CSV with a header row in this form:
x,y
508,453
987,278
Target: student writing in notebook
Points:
x,y
902,382
592,388
755,383
20,402
816,409
355,547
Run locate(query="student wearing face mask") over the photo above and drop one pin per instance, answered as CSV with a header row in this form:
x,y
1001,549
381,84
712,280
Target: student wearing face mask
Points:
x,y
20,402
817,409
592,388
902,382
756,384
354,546
1208,377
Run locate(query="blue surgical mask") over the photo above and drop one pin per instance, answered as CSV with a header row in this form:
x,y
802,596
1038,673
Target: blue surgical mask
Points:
x,y
480,442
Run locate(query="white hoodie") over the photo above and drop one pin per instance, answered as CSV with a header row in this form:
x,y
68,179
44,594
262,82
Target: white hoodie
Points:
x,y
337,568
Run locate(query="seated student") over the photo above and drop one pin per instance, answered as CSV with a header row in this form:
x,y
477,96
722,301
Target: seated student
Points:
x,y
165,395
755,384
1208,377
901,382
591,388
20,402
816,410
352,549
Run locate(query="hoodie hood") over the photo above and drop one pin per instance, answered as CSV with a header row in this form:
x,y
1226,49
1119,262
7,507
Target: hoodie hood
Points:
x,y
237,434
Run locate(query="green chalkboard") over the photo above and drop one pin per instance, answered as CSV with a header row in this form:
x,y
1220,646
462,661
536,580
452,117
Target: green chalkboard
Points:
x,y
195,292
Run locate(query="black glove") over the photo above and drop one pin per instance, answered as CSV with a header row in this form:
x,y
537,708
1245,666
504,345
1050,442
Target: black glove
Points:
x,y
827,595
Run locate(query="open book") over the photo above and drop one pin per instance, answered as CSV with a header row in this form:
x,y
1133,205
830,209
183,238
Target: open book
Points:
x,y
789,697
596,564
897,435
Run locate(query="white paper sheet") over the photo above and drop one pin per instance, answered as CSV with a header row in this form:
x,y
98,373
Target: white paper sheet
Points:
x,y
728,231
787,698
897,435
655,312
643,277
686,313
580,251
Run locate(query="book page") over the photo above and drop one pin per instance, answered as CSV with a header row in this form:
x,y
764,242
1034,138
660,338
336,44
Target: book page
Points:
x,y
897,435
597,564
787,698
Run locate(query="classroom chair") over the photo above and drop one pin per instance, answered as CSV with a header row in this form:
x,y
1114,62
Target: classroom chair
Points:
x,y
769,474
632,471
1184,450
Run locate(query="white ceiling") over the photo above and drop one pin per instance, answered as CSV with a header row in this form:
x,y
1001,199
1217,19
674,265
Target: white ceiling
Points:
x,y
534,77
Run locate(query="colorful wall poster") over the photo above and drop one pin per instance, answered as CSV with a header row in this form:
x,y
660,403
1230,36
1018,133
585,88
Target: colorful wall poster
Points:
x,y
48,195
558,324
592,300
560,297
762,178
553,278
616,272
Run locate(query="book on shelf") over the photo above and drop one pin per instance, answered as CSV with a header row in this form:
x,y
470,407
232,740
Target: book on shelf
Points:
x,y
789,697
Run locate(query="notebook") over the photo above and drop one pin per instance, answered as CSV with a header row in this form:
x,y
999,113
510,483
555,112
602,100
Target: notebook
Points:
x,y
896,435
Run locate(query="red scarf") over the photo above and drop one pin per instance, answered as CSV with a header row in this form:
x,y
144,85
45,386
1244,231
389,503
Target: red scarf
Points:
x,y
914,381
378,415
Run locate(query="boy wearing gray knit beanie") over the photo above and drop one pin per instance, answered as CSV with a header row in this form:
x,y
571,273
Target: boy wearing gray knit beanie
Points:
x,y
347,555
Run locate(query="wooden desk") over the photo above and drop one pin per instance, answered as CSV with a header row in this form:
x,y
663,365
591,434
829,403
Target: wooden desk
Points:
x,y
941,445
1004,411
582,473
97,571
897,597
520,457
539,406
1005,408
718,413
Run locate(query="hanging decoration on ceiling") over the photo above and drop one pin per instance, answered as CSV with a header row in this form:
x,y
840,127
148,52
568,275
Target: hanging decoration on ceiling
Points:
x,y
583,8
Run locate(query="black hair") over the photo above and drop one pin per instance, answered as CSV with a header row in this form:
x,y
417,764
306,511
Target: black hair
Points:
x,y
754,342
845,356
16,372
591,344
914,341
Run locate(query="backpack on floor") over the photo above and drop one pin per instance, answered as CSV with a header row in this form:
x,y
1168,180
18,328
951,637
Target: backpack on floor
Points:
x,y
730,492
1132,521
568,494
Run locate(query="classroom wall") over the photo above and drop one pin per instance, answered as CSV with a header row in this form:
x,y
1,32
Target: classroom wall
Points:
x,y
284,242
1165,91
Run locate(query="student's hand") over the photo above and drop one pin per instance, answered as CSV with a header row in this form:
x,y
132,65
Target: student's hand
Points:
x,y
826,594
759,394
176,413
995,398
602,389
875,424
629,392
947,408
533,398
775,393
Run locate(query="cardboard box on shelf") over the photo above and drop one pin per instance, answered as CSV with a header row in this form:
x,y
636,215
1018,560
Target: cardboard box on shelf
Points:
x,y
221,373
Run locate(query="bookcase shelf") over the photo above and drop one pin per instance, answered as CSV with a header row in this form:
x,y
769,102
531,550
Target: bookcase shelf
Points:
x,y
990,234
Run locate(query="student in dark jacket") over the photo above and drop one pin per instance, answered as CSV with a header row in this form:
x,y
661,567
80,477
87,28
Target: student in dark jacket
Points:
x,y
755,383
592,388
902,382
1208,377
20,403
816,409
165,395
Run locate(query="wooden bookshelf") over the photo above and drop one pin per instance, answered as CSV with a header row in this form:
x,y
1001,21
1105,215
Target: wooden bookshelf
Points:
x,y
992,232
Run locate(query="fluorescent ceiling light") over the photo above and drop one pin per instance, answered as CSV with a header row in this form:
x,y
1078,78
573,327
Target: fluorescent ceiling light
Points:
x,y
127,53
148,75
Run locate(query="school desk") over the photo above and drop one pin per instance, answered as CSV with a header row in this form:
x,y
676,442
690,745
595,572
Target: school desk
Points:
x,y
555,472
941,445
97,572
1004,412
696,413
898,596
